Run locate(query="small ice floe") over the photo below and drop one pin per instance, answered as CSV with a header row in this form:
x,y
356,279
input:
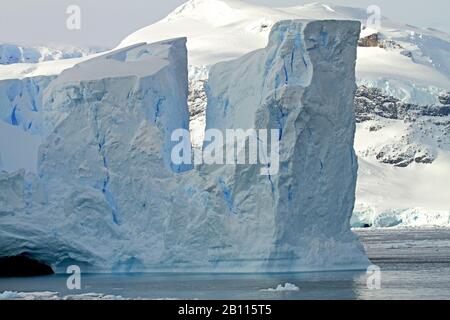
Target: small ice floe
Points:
x,y
93,296
281,288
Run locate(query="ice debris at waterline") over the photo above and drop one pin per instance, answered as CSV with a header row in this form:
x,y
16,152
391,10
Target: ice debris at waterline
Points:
x,y
48,295
107,197
283,288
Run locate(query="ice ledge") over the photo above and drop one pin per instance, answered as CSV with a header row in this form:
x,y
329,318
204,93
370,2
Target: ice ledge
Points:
x,y
138,60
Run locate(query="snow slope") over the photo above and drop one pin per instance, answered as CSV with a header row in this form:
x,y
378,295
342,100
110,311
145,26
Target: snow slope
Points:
x,y
404,169
219,30
388,196
47,68
400,76
403,151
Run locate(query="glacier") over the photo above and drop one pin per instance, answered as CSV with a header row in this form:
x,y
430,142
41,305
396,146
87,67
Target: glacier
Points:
x,y
107,196
11,53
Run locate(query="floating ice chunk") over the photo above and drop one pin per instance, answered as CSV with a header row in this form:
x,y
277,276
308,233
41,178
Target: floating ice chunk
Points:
x,y
282,288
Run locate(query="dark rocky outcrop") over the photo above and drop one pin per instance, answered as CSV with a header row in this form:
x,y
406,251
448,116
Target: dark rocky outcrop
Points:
x,y
422,121
371,102
376,40
445,98
391,154
369,41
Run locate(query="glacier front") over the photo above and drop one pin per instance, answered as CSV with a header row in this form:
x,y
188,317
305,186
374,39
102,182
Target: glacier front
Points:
x,y
108,197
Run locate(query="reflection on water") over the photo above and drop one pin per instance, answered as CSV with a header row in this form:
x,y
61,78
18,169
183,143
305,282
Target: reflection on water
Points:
x,y
413,267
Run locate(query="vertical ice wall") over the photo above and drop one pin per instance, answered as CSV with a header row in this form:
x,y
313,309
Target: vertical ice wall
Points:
x,y
302,84
21,122
21,102
105,172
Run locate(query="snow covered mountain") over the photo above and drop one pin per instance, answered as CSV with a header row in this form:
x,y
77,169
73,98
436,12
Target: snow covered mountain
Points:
x,y
10,53
108,197
412,64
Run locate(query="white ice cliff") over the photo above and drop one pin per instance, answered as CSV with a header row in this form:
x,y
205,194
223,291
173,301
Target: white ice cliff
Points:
x,y
303,84
22,86
107,196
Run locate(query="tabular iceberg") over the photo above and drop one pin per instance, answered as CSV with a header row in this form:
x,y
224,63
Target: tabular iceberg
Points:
x,y
108,197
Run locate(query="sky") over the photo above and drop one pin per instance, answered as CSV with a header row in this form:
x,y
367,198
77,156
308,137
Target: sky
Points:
x,y
104,23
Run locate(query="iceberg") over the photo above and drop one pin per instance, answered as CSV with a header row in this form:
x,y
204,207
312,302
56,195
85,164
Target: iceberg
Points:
x,y
108,197
409,63
102,118
302,84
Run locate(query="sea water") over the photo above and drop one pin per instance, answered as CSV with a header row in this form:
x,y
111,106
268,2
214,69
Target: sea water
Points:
x,y
413,264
